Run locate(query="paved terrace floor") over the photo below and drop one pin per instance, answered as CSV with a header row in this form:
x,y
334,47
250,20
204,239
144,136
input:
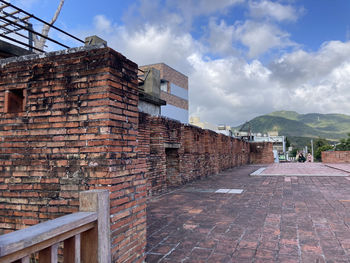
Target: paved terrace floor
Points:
x,y
275,218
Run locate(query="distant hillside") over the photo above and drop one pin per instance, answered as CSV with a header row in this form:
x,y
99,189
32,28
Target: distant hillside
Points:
x,y
312,125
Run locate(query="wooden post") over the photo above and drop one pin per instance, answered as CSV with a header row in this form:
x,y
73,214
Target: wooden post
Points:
x,y
49,255
95,243
71,251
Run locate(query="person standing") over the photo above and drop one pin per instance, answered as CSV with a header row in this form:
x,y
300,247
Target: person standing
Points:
x,y
309,158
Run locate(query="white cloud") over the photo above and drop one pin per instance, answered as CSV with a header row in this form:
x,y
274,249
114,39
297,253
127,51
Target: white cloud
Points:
x,y
229,89
317,82
261,37
102,24
221,37
298,66
258,37
178,14
149,44
274,10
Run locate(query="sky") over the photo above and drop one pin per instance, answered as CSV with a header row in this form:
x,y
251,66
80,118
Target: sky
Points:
x,y
243,58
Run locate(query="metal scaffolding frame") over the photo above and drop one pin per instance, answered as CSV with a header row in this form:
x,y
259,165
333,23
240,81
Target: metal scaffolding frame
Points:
x,y
15,26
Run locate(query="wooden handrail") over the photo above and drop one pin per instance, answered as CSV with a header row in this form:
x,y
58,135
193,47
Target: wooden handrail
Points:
x,y
85,235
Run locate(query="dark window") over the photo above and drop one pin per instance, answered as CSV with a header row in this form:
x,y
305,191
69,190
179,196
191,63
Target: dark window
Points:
x,y
14,101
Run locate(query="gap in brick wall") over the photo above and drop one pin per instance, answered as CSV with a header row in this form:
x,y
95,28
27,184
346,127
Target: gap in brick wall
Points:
x,y
14,101
172,164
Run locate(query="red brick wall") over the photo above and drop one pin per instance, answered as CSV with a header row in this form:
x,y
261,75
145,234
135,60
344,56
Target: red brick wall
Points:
x,y
77,131
69,122
261,153
200,153
335,157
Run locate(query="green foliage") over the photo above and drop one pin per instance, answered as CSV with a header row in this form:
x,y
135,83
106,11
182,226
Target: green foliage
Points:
x,y
287,143
312,125
293,153
322,149
301,128
320,142
300,142
284,126
291,115
344,144
321,145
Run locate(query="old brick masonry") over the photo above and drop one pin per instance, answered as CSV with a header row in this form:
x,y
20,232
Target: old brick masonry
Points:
x,y
176,153
336,157
69,122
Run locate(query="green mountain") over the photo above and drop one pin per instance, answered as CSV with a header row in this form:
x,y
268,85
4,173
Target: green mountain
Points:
x,y
311,125
290,115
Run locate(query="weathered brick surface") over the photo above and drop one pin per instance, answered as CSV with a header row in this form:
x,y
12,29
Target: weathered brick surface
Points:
x,y
69,122
78,131
261,153
176,153
335,157
275,219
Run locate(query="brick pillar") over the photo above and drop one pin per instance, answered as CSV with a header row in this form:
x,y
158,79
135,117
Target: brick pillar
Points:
x,y
68,123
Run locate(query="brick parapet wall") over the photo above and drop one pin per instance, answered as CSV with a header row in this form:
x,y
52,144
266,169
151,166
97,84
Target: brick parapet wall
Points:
x,y
261,153
77,131
69,122
335,157
192,152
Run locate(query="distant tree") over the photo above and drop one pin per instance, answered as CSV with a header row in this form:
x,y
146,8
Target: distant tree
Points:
x,y
344,144
287,143
293,153
321,145
318,155
320,142
40,42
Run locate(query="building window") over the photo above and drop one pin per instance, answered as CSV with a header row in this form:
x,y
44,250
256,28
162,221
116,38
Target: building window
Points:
x,y
164,86
14,101
178,91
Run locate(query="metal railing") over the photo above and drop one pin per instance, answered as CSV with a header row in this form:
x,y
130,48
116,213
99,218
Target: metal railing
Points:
x,y
15,26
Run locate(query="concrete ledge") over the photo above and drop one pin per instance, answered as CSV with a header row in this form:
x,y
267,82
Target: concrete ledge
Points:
x,y
334,166
306,175
5,61
172,145
258,172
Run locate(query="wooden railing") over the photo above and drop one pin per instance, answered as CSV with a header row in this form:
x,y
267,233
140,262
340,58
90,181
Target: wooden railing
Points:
x,y
85,235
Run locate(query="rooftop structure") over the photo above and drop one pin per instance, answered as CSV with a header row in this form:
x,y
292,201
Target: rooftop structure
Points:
x,y
196,121
279,141
173,90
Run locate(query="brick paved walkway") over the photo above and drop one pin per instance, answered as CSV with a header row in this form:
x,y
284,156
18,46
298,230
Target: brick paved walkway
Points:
x,y
300,169
275,219
340,166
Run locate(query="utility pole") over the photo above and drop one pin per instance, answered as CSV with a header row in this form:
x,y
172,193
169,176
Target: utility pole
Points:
x,y
312,150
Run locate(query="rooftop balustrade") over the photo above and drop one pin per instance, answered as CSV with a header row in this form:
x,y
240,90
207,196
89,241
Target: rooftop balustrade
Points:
x,y
85,235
